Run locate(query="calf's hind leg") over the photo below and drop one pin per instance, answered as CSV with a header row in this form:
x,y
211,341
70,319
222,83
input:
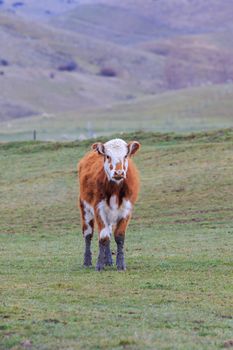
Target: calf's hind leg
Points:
x,y
87,216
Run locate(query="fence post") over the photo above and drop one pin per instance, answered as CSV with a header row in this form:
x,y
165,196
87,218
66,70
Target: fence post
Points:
x,y
34,135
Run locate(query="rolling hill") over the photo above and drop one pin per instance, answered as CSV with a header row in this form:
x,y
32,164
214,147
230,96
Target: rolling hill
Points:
x,y
132,21
69,61
34,76
196,108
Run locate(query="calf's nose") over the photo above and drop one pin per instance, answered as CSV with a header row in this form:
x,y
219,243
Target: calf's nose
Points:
x,y
119,172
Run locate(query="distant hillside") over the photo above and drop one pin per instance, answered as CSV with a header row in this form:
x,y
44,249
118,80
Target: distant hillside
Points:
x,y
186,16
132,21
39,10
49,70
201,108
184,34
67,57
194,60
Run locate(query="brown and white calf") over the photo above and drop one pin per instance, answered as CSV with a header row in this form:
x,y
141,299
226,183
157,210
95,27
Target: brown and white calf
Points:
x,y
109,185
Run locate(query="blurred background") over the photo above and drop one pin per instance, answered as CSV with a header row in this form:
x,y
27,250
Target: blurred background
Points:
x,y
74,69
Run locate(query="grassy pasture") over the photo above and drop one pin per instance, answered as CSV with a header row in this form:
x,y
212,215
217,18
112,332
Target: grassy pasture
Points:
x,y
177,292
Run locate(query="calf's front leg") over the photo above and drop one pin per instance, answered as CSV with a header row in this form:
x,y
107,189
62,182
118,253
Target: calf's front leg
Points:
x,y
87,253
105,255
119,235
87,217
108,254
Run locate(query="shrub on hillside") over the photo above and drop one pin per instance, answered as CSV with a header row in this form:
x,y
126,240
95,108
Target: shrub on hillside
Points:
x,y
68,66
3,62
108,72
18,4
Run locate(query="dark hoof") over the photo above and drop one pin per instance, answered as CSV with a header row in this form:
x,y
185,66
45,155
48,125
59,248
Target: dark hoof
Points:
x,y
103,255
120,262
87,260
108,260
99,267
108,255
121,267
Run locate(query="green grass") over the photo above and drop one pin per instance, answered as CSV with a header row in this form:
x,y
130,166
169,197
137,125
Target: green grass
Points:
x,y
177,290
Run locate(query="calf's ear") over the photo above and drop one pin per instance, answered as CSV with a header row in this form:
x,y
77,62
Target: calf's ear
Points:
x,y
133,147
98,147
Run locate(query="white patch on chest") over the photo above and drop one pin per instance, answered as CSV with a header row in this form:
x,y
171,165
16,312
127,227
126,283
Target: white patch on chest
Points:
x,y
113,203
111,214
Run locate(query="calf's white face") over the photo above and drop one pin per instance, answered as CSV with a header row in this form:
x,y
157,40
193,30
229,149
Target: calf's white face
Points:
x,y
116,153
